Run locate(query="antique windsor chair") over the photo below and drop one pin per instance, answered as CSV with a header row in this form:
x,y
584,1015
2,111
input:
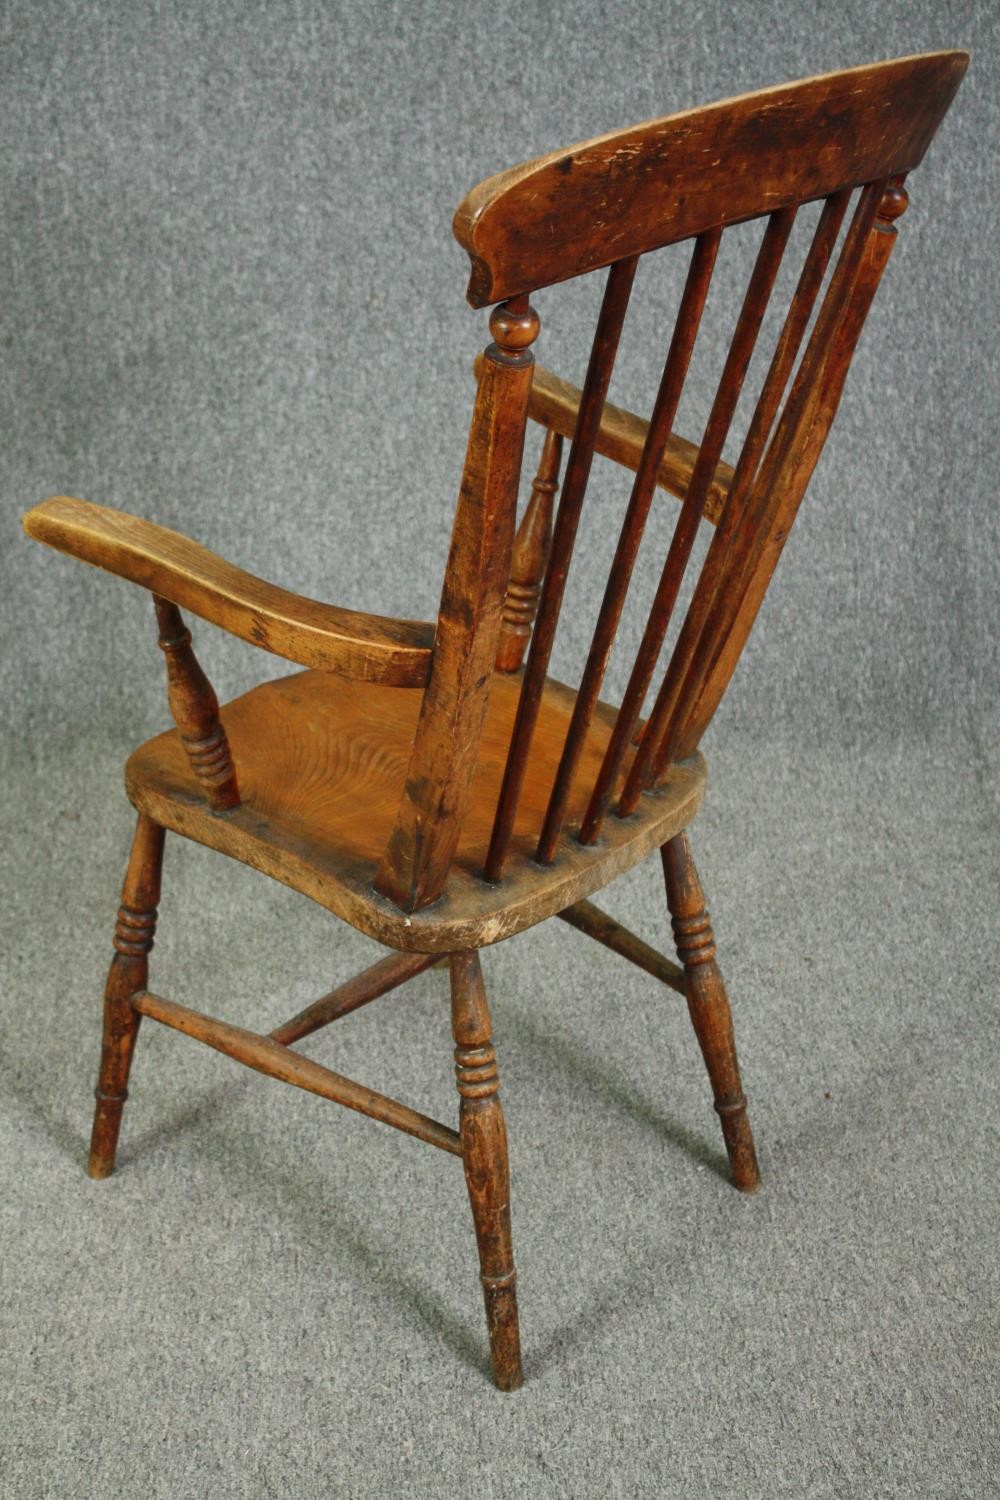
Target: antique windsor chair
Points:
x,y
419,781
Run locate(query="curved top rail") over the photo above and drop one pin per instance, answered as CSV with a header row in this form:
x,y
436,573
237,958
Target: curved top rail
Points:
x,y
634,190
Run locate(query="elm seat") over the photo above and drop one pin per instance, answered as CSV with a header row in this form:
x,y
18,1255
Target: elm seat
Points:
x,y
322,764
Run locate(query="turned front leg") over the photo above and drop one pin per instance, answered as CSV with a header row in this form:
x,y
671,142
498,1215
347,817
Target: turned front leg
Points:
x,y
134,931
708,1004
484,1154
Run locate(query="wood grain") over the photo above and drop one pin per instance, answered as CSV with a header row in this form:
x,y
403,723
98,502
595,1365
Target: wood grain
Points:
x,y
135,930
371,648
529,559
614,305
403,782
675,369
322,768
268,1057
195,710
708,1004
418,855
621,436
588,918
633,190
371,984
484,1155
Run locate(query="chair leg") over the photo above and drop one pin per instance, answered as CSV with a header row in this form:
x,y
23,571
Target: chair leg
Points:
x,y
484,1153
709,1007
128,975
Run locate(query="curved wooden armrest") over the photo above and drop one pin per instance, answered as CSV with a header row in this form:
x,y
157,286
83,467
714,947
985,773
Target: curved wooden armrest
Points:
x,y
554,403
370,648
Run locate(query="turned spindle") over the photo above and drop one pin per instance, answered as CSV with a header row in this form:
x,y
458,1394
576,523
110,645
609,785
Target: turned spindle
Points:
x,y
195,709
135,929
484,1154
529,558
708,1005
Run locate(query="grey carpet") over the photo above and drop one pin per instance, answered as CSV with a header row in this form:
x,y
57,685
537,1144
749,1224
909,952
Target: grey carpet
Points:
x,y
231,303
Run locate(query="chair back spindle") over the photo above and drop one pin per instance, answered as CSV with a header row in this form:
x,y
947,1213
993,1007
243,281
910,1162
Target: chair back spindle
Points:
x,y
660,427
528,558
715,568
606,204
794,417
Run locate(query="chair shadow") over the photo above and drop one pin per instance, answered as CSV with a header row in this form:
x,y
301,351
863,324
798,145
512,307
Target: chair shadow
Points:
x,y
372,1261
574,1059
16,1084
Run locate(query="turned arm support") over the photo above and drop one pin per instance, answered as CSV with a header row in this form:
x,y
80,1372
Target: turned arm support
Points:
x,y
369,648
554,403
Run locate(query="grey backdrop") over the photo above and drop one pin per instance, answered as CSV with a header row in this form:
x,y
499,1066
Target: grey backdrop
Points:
x,y
231,302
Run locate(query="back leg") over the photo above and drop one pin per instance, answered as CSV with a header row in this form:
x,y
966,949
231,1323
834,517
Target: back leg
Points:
x,y
128,975
709,1007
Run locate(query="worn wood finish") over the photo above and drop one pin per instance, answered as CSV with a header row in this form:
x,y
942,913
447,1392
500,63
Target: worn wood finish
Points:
x,y
588,918
679,552
322,766
266,1056
196,710
621,436
418,856
617,291
135,929
717,566
372,648
758,295
675,370
419,782
529,559
484,1155
371,984
778,495
633,190
709,1008
796,436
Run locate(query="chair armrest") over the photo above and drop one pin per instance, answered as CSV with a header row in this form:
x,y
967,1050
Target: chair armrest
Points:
x,y
370,648
555,403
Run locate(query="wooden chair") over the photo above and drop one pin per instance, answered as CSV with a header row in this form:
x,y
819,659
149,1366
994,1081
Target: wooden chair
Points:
x,y
417,780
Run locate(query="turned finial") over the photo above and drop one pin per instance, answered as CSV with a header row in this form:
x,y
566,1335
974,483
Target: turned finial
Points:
x,y
893,203
514,325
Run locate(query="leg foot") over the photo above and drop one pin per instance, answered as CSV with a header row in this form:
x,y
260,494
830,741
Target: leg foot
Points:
x,y
128,974
709,1008
484,1153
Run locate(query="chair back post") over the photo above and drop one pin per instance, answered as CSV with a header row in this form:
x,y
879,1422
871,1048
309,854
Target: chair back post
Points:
x,y
414,868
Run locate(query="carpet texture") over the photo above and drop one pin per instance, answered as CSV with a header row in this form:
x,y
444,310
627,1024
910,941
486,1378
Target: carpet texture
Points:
x,y
232,304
